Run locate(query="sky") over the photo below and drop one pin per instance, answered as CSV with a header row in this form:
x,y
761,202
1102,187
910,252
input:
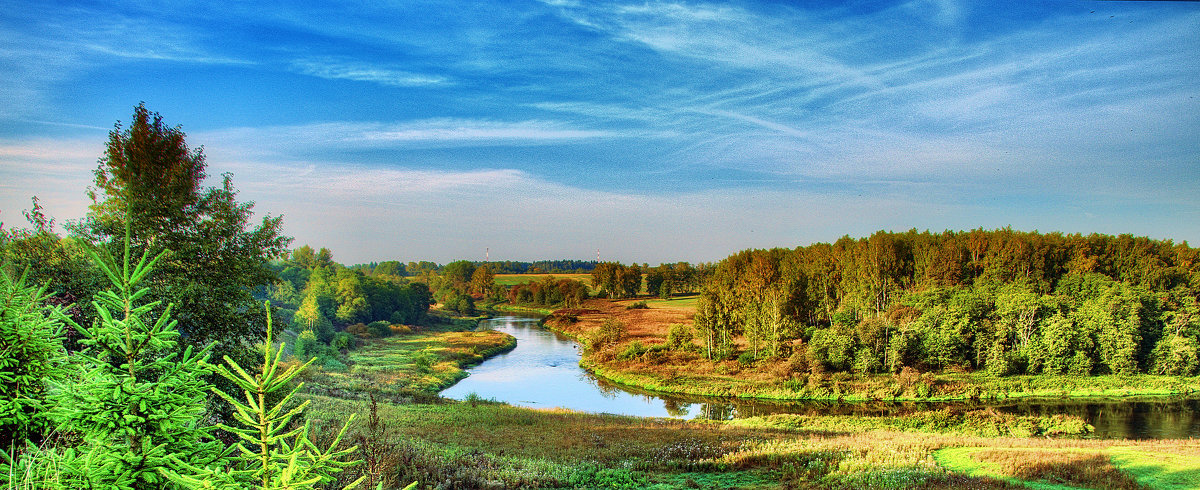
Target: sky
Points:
x,y
639,131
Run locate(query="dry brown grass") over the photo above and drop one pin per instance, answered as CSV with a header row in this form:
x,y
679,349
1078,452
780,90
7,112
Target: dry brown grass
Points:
x,y
1086,469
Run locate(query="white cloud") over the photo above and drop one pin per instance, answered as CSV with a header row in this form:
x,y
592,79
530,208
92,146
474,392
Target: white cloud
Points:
x,y
299,140
365,72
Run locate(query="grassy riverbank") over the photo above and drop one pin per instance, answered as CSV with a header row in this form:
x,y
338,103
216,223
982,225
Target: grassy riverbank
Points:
x,y
483,445
487,445
412,365
641,359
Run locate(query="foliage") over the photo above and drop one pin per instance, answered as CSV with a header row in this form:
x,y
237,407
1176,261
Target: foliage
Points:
x,y
616,280
150,180
549,292
680,336
610,332
1004,302
61,264
31,353
273,453
460,303
138,403
327,297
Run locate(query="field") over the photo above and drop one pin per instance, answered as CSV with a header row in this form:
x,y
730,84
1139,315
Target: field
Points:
x,y
478,444
514,279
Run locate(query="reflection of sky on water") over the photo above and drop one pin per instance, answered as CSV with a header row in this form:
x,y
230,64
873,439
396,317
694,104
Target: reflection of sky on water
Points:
x,y
543,372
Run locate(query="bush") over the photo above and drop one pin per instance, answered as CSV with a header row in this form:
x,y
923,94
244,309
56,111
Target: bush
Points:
x,y
400,329
342,340
746,359
1176,355
33,353
610,332
680,336
379,329
358,330
632,351
640,305
462,303
333,364
306,345
423,360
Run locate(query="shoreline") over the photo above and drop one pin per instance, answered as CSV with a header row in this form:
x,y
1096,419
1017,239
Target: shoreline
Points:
x,y
968,387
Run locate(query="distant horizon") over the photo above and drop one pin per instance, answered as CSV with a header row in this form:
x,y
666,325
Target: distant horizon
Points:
x,y
734,252
655,131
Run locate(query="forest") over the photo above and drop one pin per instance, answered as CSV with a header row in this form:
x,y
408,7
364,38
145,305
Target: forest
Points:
x,y
1004,301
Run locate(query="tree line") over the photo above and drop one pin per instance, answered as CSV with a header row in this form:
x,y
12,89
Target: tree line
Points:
x,y
315,293
1003,301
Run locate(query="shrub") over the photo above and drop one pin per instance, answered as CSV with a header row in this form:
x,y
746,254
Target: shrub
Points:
x,y
680,336
268,453
333,364
1176,355
400,329
379,329
358,330
639,305
342,340
423,360
138,403
33,352
634,350
306,345
611,331
746,359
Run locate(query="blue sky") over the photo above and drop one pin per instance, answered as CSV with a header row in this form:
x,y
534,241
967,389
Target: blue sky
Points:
x,y
652,131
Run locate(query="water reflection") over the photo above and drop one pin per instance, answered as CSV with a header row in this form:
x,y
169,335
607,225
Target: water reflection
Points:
x,y
543,372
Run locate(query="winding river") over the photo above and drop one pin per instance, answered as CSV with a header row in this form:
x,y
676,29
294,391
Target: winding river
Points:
x,y
543,372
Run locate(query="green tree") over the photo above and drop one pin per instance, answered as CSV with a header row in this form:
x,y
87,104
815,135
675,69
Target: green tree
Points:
x,y
389,268
482,281
351,298
151,180
272,452
458,274
31,353
309,317
138,404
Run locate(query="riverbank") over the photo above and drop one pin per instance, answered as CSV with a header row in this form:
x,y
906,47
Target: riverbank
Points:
x,y
641,359
477,444
482,444
411,366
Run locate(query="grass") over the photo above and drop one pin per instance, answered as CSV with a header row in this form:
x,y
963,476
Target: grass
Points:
x,y
1168,466
482,444
687,302
486,445
1157,464
514,279
418,364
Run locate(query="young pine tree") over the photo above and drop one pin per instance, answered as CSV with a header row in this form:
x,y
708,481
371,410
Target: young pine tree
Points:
x,y
31,351
138,401
274,455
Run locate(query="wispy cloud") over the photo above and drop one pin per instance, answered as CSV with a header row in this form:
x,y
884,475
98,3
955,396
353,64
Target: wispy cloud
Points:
x,y
365,72
432,133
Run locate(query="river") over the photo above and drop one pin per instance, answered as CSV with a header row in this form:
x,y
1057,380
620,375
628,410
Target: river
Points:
x,y
543,372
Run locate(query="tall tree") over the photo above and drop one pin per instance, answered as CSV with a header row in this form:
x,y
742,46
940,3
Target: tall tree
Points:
x,y
151,179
